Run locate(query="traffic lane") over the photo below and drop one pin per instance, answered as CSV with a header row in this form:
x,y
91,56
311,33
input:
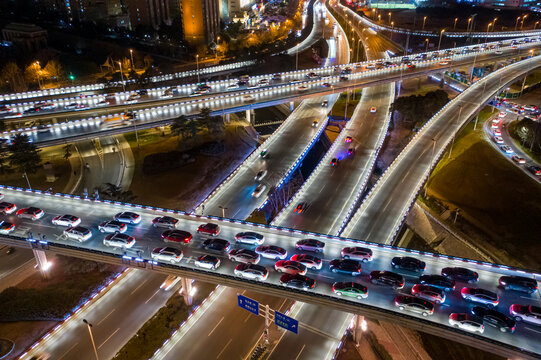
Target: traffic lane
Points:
x,y
320,329
107,315
285,148
335,188
166,110
325,277
375,220
223,334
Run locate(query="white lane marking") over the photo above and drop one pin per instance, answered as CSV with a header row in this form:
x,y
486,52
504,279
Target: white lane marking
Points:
x,y
300,352
214,328
110,336
226,345
105,317
530,329
150,298
137,288
247,317
67,351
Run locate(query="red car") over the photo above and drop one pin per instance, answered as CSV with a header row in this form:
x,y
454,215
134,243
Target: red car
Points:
x,y
348,139
334,162
300,208
178,236
209,229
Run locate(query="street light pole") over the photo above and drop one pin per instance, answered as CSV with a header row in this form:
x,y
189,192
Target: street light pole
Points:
x,y
28,181
197,61
454,26
223,210
131,56
89,325
297,58
439,43
426,50
453,142
122,76
516,23
424,20
37,73
488,27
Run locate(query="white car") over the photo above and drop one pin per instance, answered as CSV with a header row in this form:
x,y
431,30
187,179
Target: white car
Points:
x,y
208,262
302,88
112,226
132,99
78,233
498,140
500,115
259,190
167,254
271,252
66,220
233,86
497,132
245,256
6,227
128,217
518,159
498,52
506,149
252,271
357,253
373,109
466,322
250,238
119,240
260,175
248,97
102,103
7,208
32,213
527,313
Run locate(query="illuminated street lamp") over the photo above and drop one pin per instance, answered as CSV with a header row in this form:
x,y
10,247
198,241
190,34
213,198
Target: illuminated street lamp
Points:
x,y
392,30
389,17
121,75
439,43
38,70
197,61
535,25
488,27
516,23
426,44
131,56
494,24
424,21
468,27
454,26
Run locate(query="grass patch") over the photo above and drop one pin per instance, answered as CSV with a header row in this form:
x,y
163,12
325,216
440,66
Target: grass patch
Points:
x,y
493,195
5,347
339,108
71,281
155,331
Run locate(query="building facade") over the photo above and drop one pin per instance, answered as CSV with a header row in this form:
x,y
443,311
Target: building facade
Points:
x,y
29,37
149,12
200,20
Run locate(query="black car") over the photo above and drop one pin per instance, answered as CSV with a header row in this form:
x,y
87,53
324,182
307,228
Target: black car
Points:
x,y
536,170
297,281
346,266
495,319
387,278
460,274
518,283
437,281
408,263
216,245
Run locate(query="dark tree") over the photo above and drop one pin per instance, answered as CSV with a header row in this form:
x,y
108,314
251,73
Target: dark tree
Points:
x,y
24,154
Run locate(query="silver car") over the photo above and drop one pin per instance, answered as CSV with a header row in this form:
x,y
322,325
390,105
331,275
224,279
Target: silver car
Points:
x,y
250,238
78,233
167,254
527,313
466,322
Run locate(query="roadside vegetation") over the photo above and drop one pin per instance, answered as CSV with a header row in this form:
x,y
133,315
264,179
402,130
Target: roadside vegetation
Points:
x,y
71,281
493,196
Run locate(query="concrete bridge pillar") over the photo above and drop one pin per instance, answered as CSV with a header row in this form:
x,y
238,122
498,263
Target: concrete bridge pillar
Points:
x,y
357,328
42,263
250,116
291,106
188,290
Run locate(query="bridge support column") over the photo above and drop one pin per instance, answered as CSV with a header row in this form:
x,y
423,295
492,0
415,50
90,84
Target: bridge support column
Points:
x,y
250,116
188,290
357,328
42,263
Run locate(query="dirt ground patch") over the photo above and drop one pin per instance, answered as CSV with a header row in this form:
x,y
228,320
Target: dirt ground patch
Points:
x,y
24,334
182,188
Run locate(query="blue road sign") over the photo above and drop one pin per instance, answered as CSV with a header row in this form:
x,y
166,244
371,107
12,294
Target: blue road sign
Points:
x,y
286,322
248,304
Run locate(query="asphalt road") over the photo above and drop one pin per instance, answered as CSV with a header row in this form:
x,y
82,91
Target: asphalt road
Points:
x,y
115,319
152,113
148,237
381,214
